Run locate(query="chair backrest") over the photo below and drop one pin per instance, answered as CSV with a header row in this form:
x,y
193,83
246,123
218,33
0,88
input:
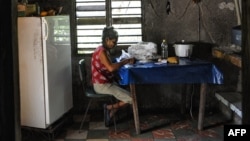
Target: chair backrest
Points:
x,y
82,72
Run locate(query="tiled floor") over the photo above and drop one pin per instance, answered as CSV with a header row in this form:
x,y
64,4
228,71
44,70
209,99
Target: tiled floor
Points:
x,y
158,127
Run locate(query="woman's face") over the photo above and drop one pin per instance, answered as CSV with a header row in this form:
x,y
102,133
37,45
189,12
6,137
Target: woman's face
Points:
x,y
111,43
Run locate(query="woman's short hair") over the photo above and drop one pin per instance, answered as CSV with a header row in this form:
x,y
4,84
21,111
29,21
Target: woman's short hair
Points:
x,y
109,32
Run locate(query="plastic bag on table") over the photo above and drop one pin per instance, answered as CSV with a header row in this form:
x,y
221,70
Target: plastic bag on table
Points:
x,y
124,55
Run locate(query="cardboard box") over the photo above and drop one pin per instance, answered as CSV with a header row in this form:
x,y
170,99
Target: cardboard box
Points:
x,y
30,10
21,9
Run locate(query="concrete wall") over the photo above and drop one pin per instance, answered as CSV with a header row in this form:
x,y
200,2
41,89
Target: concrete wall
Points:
x,y
204,23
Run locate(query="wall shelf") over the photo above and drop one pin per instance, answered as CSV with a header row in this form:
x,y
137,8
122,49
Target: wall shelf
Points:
x,y
227,55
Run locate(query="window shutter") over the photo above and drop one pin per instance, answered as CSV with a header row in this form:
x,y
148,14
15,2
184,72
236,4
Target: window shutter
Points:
x,y
125,17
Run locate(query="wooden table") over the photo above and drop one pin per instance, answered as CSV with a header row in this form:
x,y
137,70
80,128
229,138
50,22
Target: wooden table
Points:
x,y
185,72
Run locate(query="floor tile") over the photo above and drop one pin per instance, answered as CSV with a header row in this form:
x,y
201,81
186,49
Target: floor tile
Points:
x,y
163,134
98,134
97,125
119,135
75,134
157,127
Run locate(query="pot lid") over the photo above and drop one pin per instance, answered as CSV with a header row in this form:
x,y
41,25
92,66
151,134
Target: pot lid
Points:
x,y
183,42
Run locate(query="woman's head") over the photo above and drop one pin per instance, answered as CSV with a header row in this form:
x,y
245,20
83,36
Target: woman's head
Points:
x,y
109,37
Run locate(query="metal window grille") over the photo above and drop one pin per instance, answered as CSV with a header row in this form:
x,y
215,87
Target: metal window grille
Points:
x,y
93,15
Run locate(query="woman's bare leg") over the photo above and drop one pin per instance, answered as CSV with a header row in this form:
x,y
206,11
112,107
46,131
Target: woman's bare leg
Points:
x,y
115,107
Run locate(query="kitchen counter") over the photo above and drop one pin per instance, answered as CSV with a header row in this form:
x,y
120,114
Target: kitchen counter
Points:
x,y
228,55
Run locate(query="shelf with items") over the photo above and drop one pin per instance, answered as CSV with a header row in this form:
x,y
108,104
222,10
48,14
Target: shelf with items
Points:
x,y
228,55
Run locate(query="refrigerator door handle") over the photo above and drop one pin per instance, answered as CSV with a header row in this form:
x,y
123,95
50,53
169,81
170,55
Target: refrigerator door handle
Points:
x,y
46,29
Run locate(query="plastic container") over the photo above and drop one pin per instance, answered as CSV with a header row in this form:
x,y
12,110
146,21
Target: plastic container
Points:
x,y
236,35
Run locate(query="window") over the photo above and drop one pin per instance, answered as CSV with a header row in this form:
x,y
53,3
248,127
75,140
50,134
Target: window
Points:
x,y
93,15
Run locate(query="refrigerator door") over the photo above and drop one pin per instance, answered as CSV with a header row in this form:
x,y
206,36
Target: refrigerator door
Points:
x,y
45,69
31,70
57,67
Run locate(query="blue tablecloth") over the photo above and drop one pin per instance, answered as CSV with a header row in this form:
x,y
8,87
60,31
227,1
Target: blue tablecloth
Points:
x,y
186,71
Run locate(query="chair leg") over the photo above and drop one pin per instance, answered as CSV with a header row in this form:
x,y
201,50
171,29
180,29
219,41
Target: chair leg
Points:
x,y
114,117
115,123
85,114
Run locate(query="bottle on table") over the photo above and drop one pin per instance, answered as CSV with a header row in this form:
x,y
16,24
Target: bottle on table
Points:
x,y
164,49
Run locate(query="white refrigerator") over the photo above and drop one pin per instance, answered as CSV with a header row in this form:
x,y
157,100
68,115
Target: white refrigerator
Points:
x,y
45,73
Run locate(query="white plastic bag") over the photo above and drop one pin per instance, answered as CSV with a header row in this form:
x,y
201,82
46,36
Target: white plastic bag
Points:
x,y
124,55
143,50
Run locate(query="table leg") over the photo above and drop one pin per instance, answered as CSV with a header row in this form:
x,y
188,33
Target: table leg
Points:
x,y
135,109
183,98
202,105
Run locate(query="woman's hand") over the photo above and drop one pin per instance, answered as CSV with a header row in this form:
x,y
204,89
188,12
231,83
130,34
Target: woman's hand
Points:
x,y
128,61
131,60
104,57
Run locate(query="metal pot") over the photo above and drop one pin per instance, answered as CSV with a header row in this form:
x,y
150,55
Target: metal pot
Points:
x,y
183,49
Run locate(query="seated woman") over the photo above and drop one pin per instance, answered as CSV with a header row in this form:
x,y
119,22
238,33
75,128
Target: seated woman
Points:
x,y
103,73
